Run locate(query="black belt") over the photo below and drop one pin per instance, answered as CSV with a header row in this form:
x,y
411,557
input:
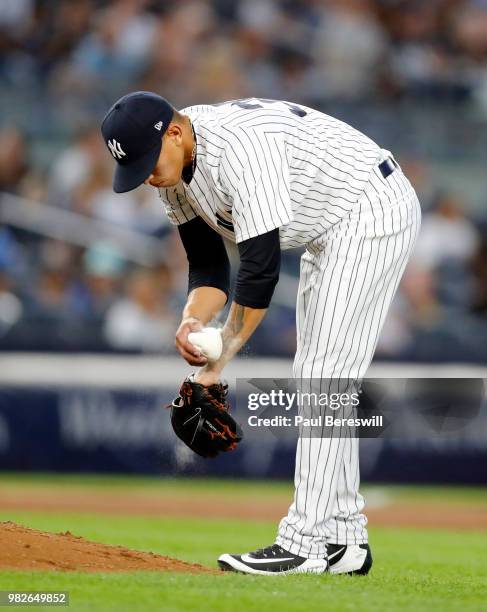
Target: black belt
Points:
x,y
387,167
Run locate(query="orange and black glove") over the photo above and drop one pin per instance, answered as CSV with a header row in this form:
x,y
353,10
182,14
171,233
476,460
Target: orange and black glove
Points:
x,y
201,418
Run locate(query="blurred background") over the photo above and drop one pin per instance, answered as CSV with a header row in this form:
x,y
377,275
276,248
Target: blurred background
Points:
x,y
85,271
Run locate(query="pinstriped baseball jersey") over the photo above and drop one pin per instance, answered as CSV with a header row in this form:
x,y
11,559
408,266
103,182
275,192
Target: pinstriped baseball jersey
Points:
x,y
264,164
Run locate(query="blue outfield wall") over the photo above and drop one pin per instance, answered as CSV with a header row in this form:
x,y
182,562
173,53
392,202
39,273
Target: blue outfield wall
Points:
x,y
97,429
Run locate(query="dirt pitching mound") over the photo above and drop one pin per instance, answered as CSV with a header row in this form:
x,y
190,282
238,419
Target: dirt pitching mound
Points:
x,y
22,548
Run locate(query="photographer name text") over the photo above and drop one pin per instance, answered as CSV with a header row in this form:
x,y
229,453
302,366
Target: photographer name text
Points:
x,y
318,421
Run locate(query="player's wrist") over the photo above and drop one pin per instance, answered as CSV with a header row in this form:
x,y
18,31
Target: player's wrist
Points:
x,y
207,377
204,303
191,319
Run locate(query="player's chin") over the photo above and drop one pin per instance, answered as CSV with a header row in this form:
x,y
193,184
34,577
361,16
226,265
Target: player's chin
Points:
x,y
168,182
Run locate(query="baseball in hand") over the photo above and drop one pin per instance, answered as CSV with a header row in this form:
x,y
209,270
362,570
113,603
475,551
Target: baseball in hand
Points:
x,y
208,341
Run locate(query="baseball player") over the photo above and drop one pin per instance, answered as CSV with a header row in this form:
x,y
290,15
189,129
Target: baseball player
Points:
x,y
271,175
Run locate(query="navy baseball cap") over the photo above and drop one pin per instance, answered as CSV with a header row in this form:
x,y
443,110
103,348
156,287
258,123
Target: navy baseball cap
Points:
x,y
133,129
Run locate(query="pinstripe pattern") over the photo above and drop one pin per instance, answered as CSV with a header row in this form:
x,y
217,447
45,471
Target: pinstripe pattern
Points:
x,y
348,279
267,164
263,165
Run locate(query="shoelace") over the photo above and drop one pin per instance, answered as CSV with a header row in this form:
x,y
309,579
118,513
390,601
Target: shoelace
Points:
x,y
269,551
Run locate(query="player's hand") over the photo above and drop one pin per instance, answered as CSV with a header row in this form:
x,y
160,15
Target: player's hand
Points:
x,y
188,351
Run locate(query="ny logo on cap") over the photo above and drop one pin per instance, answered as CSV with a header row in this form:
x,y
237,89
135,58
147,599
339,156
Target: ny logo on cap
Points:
x,y
115,149
158,125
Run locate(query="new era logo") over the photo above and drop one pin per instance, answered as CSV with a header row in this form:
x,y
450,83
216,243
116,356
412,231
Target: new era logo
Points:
x,y
116,149
158,125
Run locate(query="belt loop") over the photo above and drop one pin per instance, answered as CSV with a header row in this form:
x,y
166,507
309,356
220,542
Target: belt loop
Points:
x,y
388,166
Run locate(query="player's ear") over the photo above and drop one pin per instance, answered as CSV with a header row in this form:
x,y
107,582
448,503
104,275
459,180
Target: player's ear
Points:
x,y
175,132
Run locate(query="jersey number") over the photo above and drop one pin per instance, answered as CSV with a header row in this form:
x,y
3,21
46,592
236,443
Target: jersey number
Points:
x,y
294,108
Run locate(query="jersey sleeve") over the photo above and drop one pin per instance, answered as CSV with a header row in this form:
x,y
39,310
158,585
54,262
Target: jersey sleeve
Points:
x,y
254,171
178,209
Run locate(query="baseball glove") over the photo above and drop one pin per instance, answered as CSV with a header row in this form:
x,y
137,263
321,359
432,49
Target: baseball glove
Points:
x,y
200,417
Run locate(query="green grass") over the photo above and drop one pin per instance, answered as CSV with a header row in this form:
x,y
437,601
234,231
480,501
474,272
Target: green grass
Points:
x,y
147,484
413,570
230,487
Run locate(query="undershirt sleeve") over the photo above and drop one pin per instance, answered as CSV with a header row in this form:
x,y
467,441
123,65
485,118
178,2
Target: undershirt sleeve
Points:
x,y
260,262
209,265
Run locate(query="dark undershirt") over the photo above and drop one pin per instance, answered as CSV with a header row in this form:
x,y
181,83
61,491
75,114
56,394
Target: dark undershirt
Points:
x,y
188,171
260,260
260,263
209,265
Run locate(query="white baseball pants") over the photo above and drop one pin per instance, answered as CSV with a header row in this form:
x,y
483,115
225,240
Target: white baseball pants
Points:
x,y
349,276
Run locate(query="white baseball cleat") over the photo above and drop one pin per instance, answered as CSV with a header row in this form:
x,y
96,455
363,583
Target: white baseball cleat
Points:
x,y
351,559
271,561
